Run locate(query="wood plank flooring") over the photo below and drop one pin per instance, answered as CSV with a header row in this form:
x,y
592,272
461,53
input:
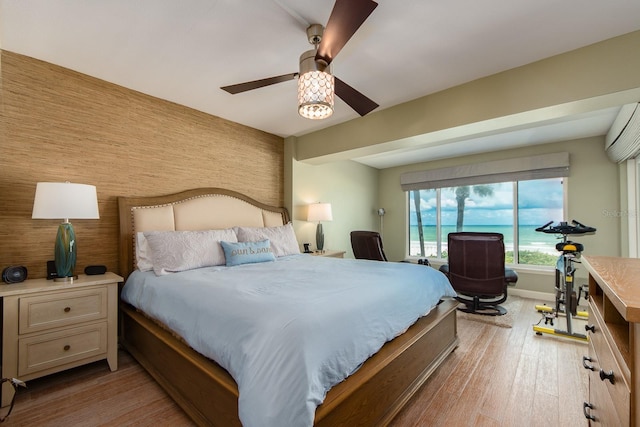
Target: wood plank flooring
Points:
x,y
504,377
496,377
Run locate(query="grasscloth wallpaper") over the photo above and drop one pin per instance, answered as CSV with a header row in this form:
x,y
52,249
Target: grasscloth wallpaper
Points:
x,y
60,125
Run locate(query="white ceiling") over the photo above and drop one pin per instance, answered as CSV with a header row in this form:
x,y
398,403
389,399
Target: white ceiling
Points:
x,y
183,51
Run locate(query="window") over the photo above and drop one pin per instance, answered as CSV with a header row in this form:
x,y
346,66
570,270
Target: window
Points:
x,y
514,209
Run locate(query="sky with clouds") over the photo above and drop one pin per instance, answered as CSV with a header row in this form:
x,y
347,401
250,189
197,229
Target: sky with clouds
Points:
x,y
539,202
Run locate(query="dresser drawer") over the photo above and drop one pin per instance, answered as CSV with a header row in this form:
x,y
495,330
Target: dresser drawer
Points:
x,y
48,350
602,407
42,312
603,359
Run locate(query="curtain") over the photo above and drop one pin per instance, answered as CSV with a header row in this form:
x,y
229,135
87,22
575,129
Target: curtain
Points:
x,y
524,168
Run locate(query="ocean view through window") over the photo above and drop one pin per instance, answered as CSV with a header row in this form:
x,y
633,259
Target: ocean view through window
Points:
x,y
514,209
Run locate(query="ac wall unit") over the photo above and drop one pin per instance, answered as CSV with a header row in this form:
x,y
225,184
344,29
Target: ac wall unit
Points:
x,y
623,139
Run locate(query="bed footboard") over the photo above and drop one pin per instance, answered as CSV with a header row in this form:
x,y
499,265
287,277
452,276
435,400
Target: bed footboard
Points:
x,y
375,394
370,397
203,389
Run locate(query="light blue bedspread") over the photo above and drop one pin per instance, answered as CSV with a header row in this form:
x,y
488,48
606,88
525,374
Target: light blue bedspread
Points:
x,y
289,330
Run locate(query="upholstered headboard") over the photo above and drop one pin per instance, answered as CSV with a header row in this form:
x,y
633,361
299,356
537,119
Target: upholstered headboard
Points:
x,y
197,209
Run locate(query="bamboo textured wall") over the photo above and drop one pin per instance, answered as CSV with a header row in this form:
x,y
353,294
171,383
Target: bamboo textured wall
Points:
x,y
60,125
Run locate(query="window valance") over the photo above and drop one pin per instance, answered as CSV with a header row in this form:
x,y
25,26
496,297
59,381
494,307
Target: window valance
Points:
x,y
553,165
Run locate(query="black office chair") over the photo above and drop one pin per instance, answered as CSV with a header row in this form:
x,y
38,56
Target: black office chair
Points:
x,y
476,271
367,245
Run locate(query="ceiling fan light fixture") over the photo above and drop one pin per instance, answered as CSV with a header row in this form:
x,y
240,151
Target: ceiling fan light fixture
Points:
x,y
316,84
316,95
316,88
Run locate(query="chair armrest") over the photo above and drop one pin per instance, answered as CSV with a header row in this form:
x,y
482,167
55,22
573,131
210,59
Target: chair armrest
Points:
x,y
511,277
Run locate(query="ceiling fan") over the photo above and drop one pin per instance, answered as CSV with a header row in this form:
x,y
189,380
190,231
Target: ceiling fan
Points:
x,y
316,84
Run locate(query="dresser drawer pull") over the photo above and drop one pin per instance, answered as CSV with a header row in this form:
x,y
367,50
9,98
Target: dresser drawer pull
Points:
x,y
67,309
586,359
606,376
67,347
591,328
587,415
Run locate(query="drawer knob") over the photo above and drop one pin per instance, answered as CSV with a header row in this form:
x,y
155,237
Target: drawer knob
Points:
x,y
67,347
591,328
586,359
587,415
67,309
607,376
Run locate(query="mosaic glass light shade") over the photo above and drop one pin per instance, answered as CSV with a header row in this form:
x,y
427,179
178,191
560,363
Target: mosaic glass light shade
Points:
x,y
316,95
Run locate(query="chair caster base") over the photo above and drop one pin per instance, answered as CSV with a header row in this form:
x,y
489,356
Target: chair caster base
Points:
x,y
489,310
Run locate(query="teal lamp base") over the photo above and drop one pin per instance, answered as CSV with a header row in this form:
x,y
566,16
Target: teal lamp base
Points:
x,y
319,238
65,253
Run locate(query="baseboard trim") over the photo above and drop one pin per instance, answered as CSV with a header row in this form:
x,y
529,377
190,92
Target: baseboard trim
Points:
x,y
524,293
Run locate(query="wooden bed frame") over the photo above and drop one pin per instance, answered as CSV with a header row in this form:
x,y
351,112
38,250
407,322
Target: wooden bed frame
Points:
x,y
373,395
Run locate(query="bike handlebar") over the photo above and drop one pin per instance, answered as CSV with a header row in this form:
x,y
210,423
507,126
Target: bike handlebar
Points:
x,y
544,226
564,228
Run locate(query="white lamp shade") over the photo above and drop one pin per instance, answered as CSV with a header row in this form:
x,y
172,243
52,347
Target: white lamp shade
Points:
x,y
320,212
65,200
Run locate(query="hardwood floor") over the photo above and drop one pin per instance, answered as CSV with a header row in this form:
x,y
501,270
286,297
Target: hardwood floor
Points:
x,y
504,377
496,377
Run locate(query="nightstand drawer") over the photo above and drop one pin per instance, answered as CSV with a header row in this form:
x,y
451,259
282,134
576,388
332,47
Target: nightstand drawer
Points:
x,y
44,351
41,312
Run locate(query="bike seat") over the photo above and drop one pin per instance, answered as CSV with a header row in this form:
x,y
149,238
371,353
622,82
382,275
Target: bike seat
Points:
x,y
569,246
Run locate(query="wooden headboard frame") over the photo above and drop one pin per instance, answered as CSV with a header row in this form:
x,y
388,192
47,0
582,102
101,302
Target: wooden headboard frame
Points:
x,y
197,209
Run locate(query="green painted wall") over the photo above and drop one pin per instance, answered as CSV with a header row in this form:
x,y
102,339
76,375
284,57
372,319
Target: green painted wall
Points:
x,y
592,196
594,77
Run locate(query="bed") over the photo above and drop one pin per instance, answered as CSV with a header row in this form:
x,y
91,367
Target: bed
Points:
x,y
372,395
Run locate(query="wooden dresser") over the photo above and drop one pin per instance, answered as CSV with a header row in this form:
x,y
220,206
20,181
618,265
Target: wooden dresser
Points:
x,y
51,326
614,341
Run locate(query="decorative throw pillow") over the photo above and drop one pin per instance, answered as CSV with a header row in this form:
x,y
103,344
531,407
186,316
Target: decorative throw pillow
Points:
x,y
247,252
143,253
173,251
283,238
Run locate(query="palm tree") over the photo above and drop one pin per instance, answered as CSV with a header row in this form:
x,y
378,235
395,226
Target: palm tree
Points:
x,y
463,193
416,202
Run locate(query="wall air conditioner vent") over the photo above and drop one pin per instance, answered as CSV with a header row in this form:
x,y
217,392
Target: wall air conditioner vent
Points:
x,y
623,139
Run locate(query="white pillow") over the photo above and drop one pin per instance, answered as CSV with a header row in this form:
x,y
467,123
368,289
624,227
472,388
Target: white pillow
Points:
x,y
173,251
283,238
143,253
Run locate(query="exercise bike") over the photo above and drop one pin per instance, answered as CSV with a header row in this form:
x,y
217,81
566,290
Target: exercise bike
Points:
x,y
567,299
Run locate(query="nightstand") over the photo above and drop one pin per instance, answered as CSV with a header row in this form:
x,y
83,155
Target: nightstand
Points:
x,y
330,253
51,326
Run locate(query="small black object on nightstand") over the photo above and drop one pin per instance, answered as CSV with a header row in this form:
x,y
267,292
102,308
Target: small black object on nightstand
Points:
x,y
14,274
93,270
52,273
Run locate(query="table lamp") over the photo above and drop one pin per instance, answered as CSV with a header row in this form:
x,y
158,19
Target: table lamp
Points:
x,y
319,212
65,200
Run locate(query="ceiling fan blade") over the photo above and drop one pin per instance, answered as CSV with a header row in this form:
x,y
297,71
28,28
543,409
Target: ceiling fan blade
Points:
x,y
360,103
345,19
243,87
